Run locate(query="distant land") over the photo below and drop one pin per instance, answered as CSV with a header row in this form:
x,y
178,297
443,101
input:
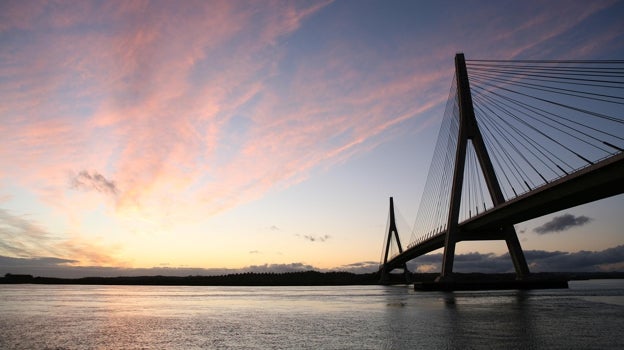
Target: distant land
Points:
x,y
306,278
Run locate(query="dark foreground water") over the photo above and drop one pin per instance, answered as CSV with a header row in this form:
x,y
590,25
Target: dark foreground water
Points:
x,y
589,315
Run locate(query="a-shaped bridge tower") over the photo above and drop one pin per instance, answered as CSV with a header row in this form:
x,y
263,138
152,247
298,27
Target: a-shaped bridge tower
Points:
x,y
554,139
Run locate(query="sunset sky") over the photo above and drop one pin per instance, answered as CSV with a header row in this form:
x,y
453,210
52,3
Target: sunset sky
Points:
x,y
226,135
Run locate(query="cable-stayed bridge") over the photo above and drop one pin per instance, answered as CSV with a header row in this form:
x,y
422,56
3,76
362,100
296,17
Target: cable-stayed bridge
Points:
x,y
518,140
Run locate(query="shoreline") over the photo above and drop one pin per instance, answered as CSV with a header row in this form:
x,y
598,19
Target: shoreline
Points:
x,y
306,278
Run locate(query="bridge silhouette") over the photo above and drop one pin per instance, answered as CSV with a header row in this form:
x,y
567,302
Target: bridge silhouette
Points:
x,y
518,140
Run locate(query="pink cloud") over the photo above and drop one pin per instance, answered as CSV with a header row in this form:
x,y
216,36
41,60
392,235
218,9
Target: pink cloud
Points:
x,y
19,14
319,126
149,96
159,145
491,35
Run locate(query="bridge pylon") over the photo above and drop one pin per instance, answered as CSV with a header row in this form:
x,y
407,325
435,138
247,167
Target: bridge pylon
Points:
x,y
469,131
384,271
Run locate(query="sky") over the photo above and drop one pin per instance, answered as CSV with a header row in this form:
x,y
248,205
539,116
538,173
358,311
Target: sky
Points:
x,y
159,137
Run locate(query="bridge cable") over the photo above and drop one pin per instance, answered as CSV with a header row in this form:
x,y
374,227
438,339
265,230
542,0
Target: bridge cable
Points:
x,y
529,115
549,88
491,127
544,113
599,115
512,145
551,138
541,150
433,208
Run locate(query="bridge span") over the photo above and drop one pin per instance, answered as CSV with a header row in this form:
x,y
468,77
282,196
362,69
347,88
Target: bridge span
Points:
x,y
551,130
599,181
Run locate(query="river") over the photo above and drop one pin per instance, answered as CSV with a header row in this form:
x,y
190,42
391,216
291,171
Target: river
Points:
x,y
588,315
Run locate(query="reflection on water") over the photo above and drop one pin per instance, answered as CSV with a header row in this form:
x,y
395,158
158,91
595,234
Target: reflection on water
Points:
x,y
500,318
588,315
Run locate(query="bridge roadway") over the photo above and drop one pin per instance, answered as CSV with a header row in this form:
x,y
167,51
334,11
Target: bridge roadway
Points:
x,y
598,181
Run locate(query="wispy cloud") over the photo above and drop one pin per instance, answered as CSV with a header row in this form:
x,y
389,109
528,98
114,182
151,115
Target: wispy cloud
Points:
x,y
190,109
21,236
562,223
151,96
313,238
85,180
160,98
541,30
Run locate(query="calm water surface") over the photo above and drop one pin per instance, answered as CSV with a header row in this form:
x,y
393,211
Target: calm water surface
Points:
x,y
589,315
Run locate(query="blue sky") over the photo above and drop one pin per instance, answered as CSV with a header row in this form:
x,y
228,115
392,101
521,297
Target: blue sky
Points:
x,y
227,135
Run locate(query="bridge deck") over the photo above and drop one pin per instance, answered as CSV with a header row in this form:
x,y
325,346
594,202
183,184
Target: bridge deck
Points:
x,y
598,181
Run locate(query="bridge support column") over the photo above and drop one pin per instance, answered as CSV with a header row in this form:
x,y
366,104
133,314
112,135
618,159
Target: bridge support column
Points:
x,y
516,253
384,271
469,130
